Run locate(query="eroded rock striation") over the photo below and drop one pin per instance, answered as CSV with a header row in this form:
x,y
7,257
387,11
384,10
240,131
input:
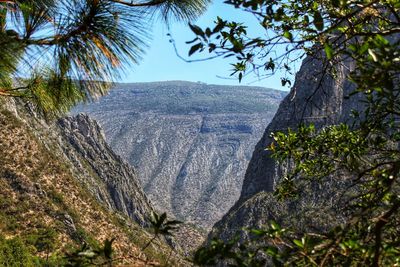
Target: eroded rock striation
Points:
x,y
61,183
315,98
189,142
111,179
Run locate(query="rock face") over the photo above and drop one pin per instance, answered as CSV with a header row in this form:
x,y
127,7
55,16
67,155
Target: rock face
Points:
x,y
61,180
314,98
111,180
189,142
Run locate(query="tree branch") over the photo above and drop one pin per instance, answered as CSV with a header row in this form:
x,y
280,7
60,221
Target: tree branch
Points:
x,y
144,4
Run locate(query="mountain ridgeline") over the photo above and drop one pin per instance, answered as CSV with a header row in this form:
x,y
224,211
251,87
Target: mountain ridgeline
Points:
x,y
190,143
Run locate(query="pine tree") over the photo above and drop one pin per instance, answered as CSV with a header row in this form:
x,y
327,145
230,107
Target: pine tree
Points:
x,y
57,53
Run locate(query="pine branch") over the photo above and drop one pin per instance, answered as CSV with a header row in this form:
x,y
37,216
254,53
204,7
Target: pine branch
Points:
x,y
144,4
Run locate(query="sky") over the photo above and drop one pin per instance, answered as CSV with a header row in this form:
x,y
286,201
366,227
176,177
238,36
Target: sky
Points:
x,y
160,63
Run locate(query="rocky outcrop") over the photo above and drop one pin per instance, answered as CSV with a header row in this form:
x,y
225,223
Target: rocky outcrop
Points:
x,y
111,180
189,142
62,185
315,98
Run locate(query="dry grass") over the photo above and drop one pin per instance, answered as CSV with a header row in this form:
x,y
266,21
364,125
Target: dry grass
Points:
x,y
37,190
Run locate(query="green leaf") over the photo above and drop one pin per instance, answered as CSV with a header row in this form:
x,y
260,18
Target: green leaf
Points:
x,y
275,226
197,30
173,222
298,243
318,21
257,232
353,47
336,3
306,19
271,251
363,48
108,248
380,40
285,81
328,50
219,27
208,32
288,35
194,48
192,41
163,217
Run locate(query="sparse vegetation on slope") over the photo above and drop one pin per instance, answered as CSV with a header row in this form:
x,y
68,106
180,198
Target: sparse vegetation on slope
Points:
x,y
46,208
189,142
333,155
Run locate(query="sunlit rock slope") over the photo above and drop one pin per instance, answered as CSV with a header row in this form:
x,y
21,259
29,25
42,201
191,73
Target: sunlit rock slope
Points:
x,y
189,142
317,99
61,185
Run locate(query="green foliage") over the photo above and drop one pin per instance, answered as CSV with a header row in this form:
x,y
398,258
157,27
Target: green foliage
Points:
x,y
363,155
160,225
236,254
178,9
13,252
59,53
102,255
44,239
87,256
298,28
20,251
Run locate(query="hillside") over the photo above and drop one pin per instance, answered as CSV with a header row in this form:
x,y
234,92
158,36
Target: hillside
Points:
x,y
61,186
314,98
189,142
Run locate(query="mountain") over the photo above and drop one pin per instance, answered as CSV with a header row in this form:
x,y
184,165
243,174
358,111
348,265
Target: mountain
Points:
x,y
189,142
61,186
314,98
111,180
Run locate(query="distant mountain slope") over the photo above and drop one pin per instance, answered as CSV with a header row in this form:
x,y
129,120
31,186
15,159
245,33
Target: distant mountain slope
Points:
x,y
189,142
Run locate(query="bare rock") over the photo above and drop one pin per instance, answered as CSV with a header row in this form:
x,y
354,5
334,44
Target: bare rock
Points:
x,y
189,142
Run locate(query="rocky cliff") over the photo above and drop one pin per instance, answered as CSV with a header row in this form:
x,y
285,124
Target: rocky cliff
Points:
x,y
61,185
189,142
111,180
315,98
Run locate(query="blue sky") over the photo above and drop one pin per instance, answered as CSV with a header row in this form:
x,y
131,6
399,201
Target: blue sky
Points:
x,y
160,63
